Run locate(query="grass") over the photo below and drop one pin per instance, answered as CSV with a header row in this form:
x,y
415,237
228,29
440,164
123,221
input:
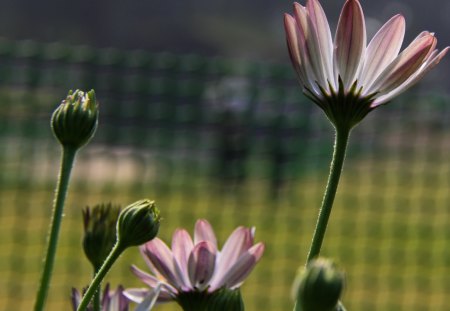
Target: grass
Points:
x,y
389,230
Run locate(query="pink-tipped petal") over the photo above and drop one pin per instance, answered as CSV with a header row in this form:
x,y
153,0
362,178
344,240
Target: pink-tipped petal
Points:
x,y
382,49
350,41
293,43
430,64
162,259
408,62
204,232
182,246
309,48
152,281
301,30
240,270
148,279
320,43
201,264
239,242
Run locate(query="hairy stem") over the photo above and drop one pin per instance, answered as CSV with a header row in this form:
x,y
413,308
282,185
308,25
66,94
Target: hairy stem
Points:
x,y
94,286
340,147
68,157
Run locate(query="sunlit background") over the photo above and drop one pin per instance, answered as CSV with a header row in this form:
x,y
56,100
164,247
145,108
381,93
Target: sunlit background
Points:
x,y
200,111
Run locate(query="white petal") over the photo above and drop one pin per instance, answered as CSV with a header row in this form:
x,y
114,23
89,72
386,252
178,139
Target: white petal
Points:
x,y
293,43
234,276
182,246
301,20
403,66
239,242
382,49
153,281
320,44
433,61
350,41
150,300
162,259
204,232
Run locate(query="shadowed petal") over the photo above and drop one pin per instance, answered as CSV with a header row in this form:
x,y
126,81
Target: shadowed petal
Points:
x,y
162,259
239,241
295,43
139,294
382,49
301,21
350,41
239,271
117,300
204,232
182,246
320,44
404,65
431,62
201,264
153,281
149,300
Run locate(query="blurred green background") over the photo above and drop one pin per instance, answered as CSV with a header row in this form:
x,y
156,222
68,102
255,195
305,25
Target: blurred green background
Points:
x,y
233,142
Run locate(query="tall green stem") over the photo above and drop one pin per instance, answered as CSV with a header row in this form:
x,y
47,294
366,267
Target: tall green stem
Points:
x,y
96,301
68,157
94,286
340,147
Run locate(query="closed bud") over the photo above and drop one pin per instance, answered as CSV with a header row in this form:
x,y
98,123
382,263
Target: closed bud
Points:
x,y
319,287
74,122
138,223
99,232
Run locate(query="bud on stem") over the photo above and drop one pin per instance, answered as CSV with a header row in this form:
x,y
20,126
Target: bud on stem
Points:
x,y
138,223
319,287
74,122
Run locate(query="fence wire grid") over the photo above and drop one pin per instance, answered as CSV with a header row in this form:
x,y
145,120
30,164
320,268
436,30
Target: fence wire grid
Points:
x,y
236,143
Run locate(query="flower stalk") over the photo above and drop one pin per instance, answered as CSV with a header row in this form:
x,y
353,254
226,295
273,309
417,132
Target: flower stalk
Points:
x,y
95,284
68,157
340,147
73,123
99,238
137,223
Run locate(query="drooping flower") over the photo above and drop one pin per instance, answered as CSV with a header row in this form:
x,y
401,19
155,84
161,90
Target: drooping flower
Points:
x,y
195,268
346,77
112,300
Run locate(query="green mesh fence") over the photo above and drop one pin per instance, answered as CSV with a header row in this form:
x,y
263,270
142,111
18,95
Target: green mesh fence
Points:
x,y
233,142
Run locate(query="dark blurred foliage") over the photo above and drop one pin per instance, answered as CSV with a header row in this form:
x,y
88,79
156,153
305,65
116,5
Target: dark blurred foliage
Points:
x,y
251,29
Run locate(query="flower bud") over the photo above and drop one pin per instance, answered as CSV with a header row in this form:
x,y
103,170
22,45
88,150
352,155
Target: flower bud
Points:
x,y
138,223
75,120
99,232
320,286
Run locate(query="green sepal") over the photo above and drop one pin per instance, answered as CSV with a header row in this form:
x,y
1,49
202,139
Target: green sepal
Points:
x,y
221,300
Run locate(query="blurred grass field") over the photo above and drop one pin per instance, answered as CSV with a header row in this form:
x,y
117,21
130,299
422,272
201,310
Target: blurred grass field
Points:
x,y
389,230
